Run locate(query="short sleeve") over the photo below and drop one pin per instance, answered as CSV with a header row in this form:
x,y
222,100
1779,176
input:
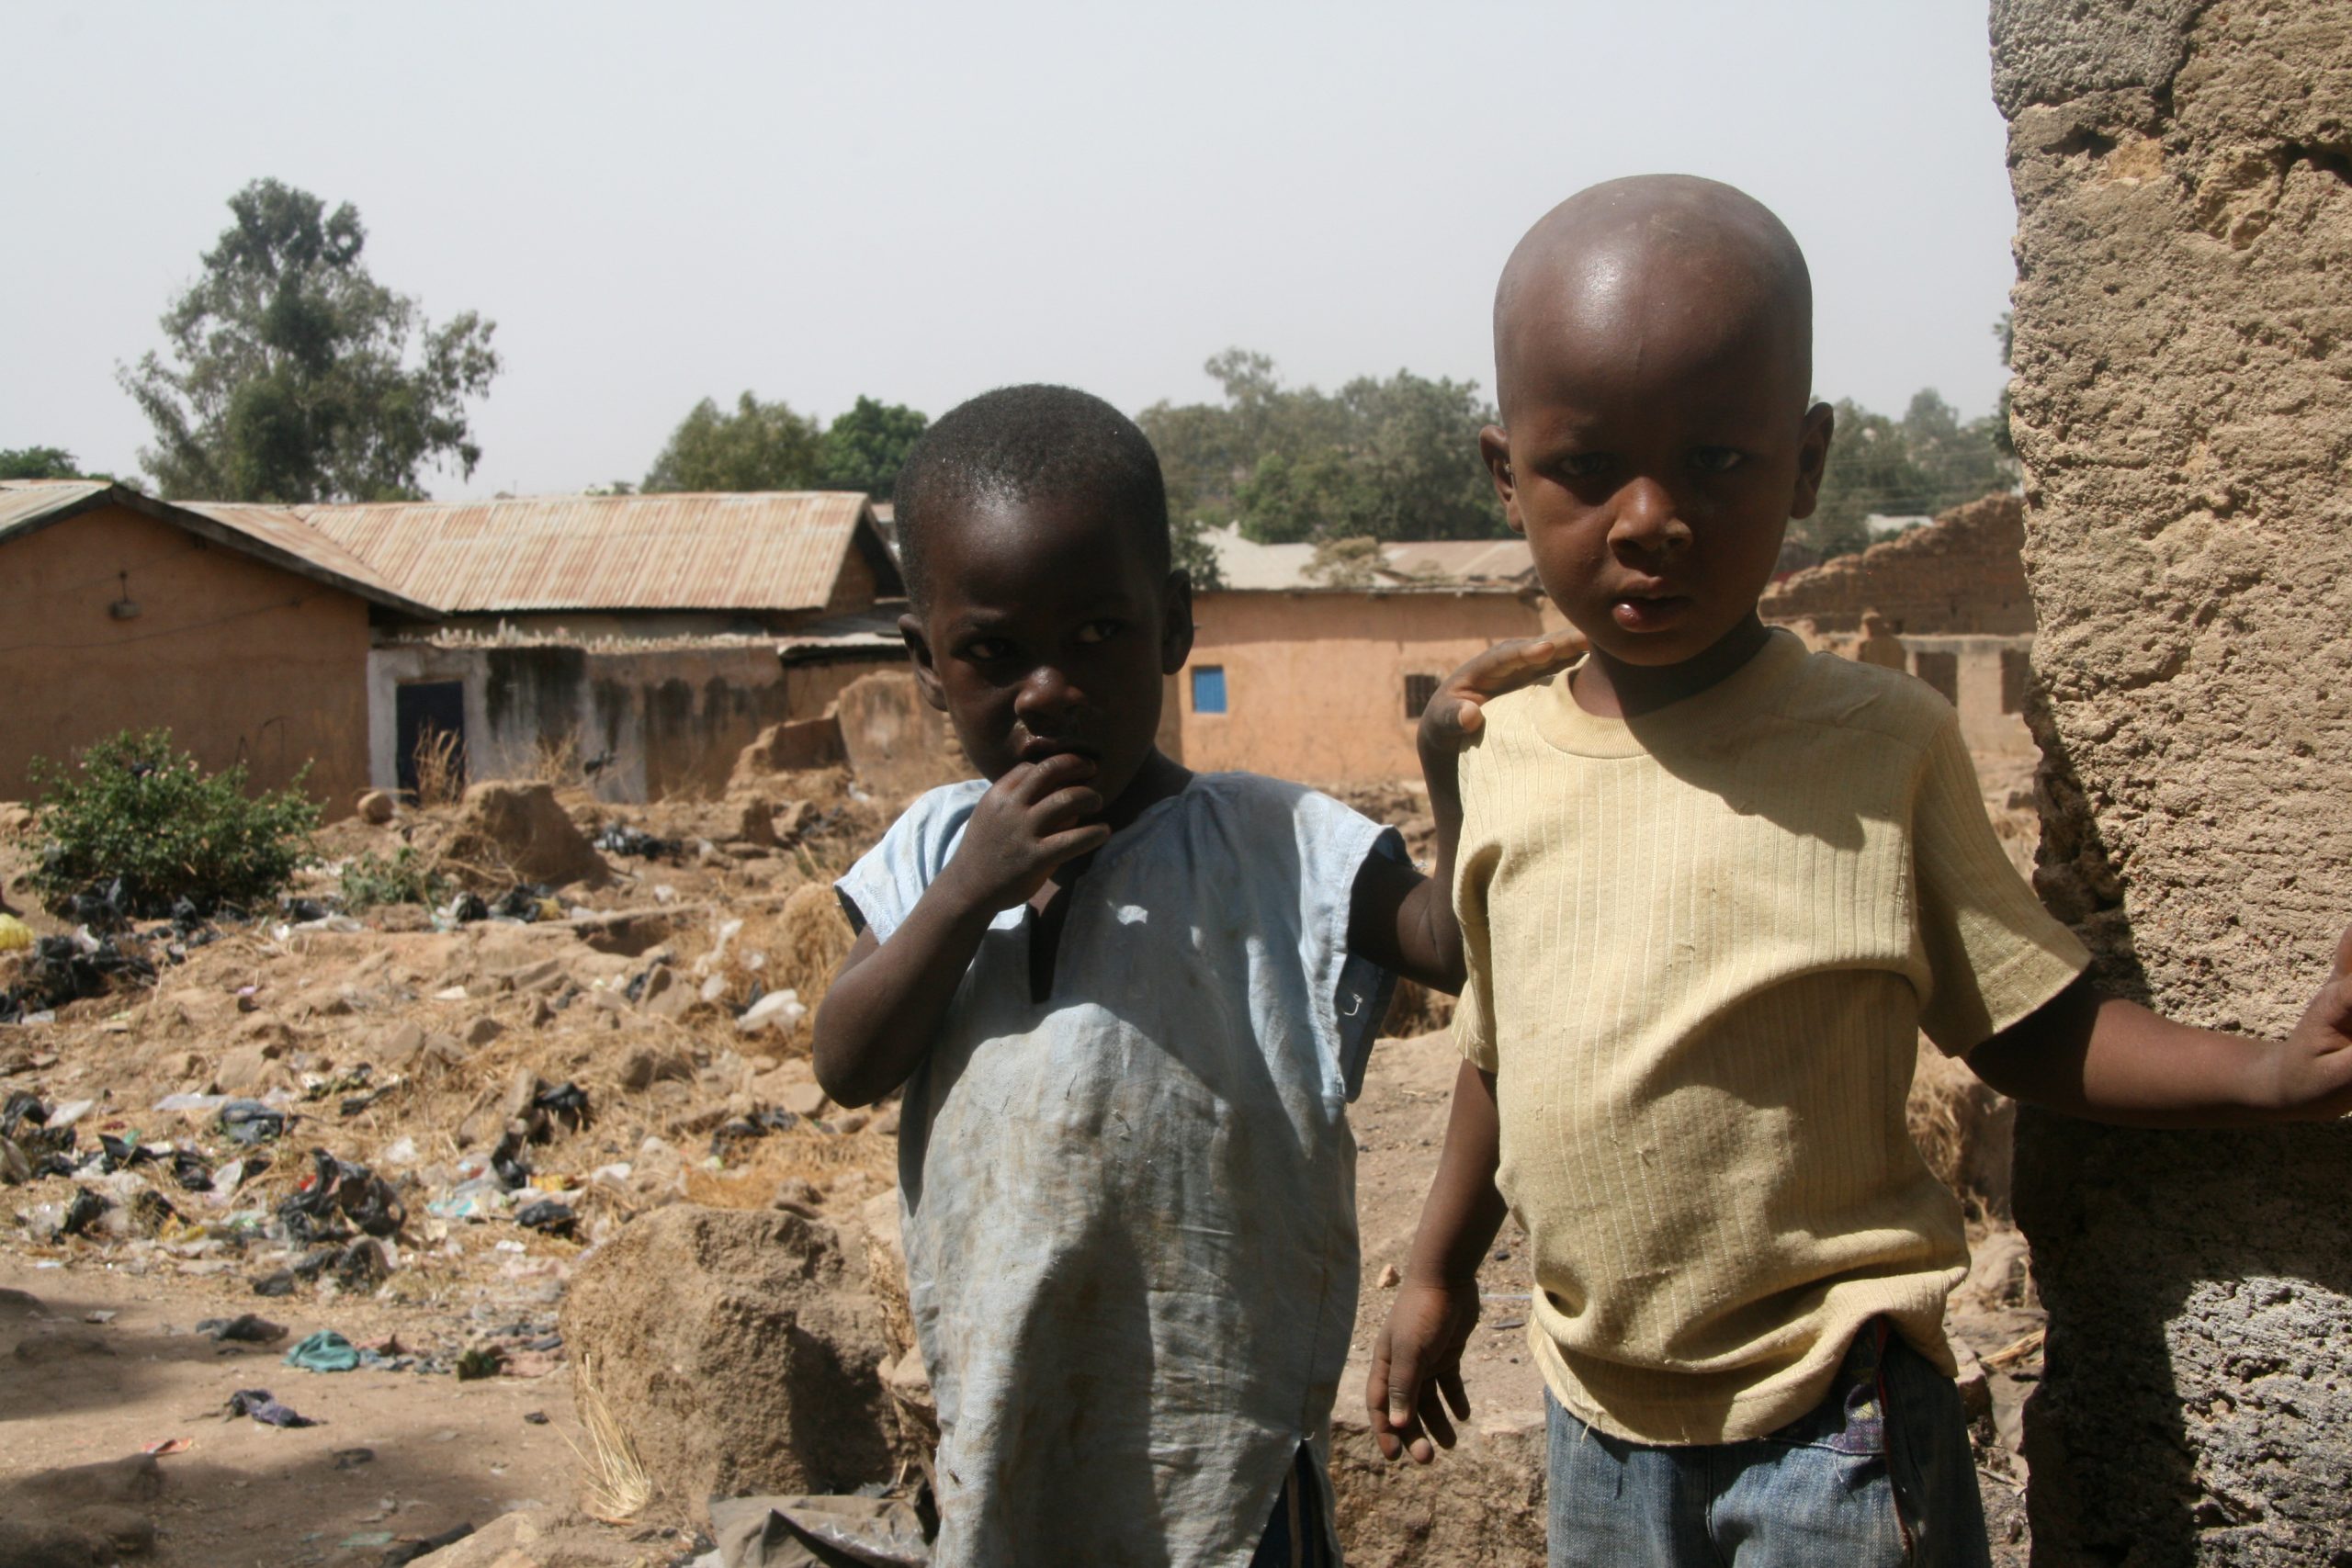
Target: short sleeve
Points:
x,y
1994,955
1335,841
1474,1014
882,888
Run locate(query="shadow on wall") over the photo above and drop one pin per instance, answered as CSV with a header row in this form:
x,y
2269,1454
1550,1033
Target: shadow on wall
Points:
x,y
2162,1249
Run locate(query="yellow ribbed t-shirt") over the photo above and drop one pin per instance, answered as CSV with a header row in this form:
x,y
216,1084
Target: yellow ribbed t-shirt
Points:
x,y
1702,944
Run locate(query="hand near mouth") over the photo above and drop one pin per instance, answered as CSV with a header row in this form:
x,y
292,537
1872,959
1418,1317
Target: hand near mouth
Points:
x,y
1037,816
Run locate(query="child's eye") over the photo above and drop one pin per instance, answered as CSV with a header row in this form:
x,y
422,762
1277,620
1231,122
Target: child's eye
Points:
x,y
987,649
1717,459
1099,631
1583,465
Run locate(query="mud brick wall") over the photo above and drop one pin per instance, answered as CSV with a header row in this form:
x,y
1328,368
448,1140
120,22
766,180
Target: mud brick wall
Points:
x,y
1960,575
2184,316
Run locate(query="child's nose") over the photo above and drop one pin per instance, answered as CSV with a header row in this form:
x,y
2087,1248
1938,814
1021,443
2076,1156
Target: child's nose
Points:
x,y
1648,522
1048,691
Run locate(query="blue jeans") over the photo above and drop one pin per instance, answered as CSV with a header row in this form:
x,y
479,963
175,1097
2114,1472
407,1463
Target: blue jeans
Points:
x,y
1878,1472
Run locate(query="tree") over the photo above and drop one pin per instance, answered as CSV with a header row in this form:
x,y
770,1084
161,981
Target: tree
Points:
x,y
44,462
294,376
1922,464
1382,459
865,448
759,447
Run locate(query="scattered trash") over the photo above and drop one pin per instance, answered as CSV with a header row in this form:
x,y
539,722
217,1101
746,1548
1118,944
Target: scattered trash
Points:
x,y
352,1459
325,1351
69,968
14,935
481,1362
555,1219
165,1446
100,1315
777,1010
565,1103
190,1171
278,1282
620,838
257,1404
246,1328
465,910
249,1121
525,903
338,1189
535,1418
81,1212
507,1163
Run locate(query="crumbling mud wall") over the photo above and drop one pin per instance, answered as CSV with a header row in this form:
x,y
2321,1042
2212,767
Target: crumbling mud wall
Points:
x,y
2182,314
1961,575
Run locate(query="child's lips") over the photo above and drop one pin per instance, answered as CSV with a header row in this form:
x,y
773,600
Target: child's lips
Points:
x,y
1650,613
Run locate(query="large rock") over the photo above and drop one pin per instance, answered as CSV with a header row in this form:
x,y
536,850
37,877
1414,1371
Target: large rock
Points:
x,y
2182,220
742,1350
1480,1506
520,829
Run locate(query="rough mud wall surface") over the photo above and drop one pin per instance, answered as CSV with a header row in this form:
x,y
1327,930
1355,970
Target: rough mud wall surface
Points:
x,y
2182,311
1961,574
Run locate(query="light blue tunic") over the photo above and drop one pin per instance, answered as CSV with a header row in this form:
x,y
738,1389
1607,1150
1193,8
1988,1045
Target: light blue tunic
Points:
x,y
1130,1210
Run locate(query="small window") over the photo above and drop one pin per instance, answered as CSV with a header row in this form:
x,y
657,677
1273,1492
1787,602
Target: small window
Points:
x,y
1208,688
1418,690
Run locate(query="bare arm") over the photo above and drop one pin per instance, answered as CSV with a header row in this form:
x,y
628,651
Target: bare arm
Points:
x,y
877,1023
2108,1060
1418,1354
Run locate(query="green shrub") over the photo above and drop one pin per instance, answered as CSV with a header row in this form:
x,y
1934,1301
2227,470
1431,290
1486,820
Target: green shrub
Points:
x,y
368,879
133,810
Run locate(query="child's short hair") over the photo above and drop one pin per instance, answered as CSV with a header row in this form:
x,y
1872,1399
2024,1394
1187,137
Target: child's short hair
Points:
x,y
1020,442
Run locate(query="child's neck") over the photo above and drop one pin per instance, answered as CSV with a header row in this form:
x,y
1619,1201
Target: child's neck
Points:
x,y
1159,777
1610,688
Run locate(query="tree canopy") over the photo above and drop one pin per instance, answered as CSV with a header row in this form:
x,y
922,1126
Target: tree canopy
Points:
x,y
45,463
1379,459
865,448
289,374
759,447
1916,466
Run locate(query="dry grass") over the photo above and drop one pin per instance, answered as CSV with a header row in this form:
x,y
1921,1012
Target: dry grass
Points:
x,y
615,1486
803,1154
555,760
440,769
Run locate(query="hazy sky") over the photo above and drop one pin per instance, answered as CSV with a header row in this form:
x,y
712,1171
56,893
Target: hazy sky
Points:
x,y
662,203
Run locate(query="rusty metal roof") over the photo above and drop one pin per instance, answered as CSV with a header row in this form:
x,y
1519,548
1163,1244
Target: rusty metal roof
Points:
x,y
773,550
268,534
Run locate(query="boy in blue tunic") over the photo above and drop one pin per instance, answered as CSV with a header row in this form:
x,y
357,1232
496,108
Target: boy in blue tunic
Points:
x,y
1129,1005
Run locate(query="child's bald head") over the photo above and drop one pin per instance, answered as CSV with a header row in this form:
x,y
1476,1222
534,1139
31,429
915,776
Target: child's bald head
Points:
x,y
1654,362
1624,268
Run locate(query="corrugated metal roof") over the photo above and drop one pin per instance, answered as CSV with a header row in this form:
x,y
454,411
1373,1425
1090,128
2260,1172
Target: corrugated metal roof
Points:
x,y
269,534
777,550
1463,560
1490,565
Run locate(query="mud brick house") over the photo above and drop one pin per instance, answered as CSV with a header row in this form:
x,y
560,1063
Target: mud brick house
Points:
x,y
638,633
1299,676
249,639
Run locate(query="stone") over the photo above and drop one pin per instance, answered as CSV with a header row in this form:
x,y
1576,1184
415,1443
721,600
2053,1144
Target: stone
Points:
x,y
375,808
789,747
521,829
248,1069
794,818
802,1100
400,1045
740,1349
2178,405
481,1031
757,824
645,1065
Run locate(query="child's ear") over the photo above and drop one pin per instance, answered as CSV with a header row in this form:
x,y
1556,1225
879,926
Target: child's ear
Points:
x,y
1494,446
918,648
1812,457
1176,622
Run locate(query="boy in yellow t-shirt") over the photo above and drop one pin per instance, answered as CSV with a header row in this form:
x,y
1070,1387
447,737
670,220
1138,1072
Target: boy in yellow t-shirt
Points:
x,y
1709,888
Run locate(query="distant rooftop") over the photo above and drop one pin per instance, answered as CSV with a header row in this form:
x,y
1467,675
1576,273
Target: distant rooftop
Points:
x,y
1462,565
777,550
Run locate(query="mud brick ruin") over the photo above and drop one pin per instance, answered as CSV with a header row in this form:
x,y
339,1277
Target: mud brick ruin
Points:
x,y
2180,170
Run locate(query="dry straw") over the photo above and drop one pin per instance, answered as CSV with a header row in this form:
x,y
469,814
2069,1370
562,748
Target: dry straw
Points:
x,y
615,1488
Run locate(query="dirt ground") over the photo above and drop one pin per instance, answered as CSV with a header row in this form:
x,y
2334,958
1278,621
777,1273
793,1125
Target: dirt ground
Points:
x,y
465,1029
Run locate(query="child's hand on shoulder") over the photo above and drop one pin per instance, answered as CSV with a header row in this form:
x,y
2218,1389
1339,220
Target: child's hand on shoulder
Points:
x,y
2315,1067
1456,713
1032,821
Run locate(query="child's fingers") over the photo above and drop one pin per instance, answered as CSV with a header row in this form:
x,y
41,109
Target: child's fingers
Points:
x,y
1067,804
1433,1421
1077,841
2343,953
1449,1382
1031,782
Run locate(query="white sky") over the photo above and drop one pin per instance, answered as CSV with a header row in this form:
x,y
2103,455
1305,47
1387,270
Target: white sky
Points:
x,y
922,201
